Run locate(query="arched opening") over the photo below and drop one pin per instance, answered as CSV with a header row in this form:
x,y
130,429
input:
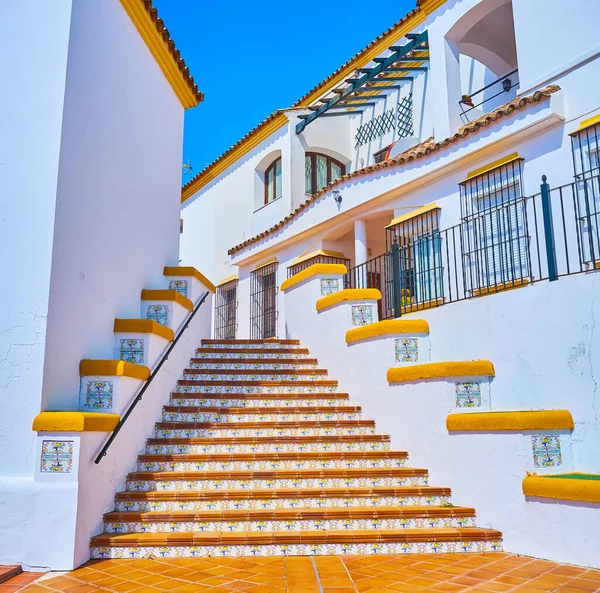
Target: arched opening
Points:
x,y
321,167
268,179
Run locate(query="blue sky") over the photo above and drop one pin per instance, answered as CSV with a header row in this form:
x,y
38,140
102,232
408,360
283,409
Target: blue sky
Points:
x,y
252,58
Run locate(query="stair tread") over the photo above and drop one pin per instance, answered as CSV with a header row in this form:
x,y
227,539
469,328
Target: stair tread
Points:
x,y
266,409
332,536
295,514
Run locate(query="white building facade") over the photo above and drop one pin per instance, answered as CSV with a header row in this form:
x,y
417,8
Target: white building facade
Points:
x,y
452,165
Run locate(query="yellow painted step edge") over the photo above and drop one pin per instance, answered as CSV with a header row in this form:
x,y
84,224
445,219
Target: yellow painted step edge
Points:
x,y
167,295
349,294
562,488
440,370
143,326
311,271
189,271
75,422
387,327
113,368
511,421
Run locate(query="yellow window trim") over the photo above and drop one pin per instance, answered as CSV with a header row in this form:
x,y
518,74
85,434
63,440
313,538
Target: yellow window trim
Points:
x,y
349,294
143,326
167,295
511,421
511,158
586,123
386,328
324,252
267,263
562,488
314,270
190,271
414,214
113,368
501,287
441,370
75,422
159,48
228,280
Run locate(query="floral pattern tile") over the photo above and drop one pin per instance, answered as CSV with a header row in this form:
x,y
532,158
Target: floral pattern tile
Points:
x,y
546,451
181,286
468,395
99,395
158,313
362,315
407,349
57,457
329,286
132,350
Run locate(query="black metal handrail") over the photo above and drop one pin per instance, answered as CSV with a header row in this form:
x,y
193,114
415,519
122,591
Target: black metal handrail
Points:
x,y
507,85
138,397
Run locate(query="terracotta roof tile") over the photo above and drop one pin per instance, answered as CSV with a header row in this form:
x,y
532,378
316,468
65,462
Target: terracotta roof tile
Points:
x,y
419,151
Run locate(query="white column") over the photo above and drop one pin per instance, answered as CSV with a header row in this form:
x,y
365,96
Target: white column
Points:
x,y
360,242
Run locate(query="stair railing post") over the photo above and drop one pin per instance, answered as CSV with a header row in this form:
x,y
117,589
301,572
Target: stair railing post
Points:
x,y
396,285
549,230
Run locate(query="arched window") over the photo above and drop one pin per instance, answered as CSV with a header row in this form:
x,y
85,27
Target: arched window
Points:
x,y
273,181
320,170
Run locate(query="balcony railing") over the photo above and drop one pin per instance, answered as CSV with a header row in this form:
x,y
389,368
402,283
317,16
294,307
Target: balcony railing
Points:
x,y
498,87
546,236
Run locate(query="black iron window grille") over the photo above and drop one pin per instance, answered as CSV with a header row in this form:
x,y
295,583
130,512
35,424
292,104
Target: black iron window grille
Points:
x,y
263,302
586,162
494,228
226,305
405,126
317,259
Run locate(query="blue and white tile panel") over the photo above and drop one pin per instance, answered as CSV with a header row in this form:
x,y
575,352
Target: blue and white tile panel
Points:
x,y
57,457
469,394
108,394
188,286
183,416
168,313
299,550
138,348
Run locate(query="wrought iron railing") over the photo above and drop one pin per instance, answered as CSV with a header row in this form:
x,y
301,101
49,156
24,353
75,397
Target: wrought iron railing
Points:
x,y
500,86
318,259
226,305
546,236
144,387
263,302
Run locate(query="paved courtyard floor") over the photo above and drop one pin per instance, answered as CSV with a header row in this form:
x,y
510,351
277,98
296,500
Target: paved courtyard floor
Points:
x,y
447,573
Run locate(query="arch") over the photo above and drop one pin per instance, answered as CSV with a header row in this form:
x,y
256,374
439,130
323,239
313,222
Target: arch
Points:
x,y
320,168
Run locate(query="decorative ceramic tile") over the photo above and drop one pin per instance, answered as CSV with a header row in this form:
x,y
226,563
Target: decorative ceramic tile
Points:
x,y
132,351
468,395
362,315
57,457
407,349
181,286
261,354
546,451
99,395
329,286
158,313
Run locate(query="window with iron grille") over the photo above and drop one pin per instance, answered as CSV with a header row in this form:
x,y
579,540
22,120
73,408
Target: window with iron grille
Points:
x,y
400,119
263,302
317,259
495,238
586,162
226,311
420,251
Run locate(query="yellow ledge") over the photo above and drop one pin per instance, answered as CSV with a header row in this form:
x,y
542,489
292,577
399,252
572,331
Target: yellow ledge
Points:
x,y
511,421
562,488
501,287
311,271
167,295
387,327
349,294
113,368
229,279
75,422
413,308
143,326
323,252
190,271
441,370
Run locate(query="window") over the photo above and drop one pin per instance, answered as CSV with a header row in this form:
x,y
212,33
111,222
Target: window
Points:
x,y
226,310
379,156
495,235
320,170
273,181
263,302
586,161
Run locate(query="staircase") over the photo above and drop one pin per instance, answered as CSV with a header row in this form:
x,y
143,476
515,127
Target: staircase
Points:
x,y
259,454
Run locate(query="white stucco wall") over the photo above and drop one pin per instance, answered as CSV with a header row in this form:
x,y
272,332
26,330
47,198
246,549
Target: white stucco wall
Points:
x,y
33,62
117,214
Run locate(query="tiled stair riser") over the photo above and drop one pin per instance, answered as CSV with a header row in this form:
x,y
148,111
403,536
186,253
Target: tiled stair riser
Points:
x,y
299,549
261,376
298,525
256,366
278,483
250,346
187,466
290,353
267,389
263,417
469,394
250,504
178,433
181,400
144,349
168,313
110,394
318,447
